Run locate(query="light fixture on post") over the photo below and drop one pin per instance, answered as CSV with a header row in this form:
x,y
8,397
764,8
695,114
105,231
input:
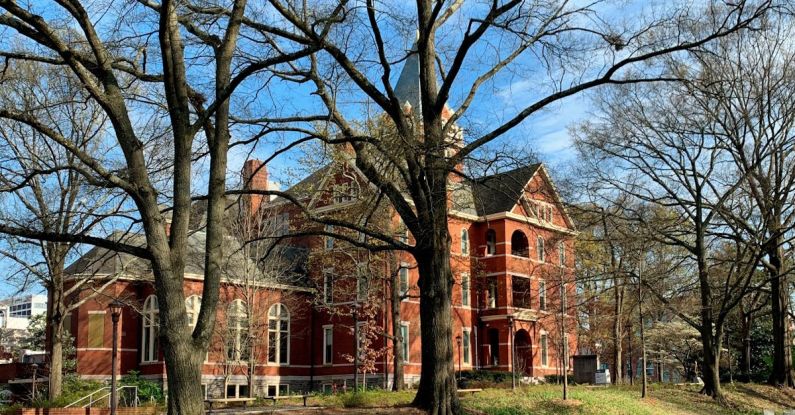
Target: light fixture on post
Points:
x,y
115,313
458,342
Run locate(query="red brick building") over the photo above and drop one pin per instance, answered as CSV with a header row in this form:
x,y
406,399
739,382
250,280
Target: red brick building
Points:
x,y
291,329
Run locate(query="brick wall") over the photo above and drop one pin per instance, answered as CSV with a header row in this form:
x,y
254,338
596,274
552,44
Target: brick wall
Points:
x,y
149,410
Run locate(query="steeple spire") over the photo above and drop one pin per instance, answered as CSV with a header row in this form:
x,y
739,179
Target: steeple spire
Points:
x,y
407,89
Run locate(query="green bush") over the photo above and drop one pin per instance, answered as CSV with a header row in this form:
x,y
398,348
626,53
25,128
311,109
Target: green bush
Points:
x,y
353,399
148,391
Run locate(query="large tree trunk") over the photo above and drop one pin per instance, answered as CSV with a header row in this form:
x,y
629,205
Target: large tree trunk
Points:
x,y
56,357
55,316
183,368
710,367
397,339
745,334
437,388
782,374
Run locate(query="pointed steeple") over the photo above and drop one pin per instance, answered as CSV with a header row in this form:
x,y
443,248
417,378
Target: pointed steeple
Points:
x,y
407,89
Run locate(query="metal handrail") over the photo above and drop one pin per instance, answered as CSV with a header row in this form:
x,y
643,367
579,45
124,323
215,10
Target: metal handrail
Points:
x,y
91,399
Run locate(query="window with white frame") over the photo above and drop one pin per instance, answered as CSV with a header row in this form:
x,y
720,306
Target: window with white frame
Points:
x,y
361,336
362,286
492,300
404,344
402,231
564,303
237,342
328,239
150,332
542,295
278,334
403,275
465,291
192,306
544,350
328,344
464,242
491,242
328,287
237,390
465,343
540,248
562,254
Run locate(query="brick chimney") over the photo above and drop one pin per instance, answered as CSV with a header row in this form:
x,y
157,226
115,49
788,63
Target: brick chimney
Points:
x,y
255,177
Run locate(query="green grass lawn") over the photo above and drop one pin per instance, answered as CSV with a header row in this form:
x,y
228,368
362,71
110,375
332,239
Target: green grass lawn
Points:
x,y
584,400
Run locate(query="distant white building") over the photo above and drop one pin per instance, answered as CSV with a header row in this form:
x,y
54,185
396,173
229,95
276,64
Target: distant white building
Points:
x,y
15,314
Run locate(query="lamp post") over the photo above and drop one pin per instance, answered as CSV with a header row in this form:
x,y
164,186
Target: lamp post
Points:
x,y
33,383
458,342
513,351
115,312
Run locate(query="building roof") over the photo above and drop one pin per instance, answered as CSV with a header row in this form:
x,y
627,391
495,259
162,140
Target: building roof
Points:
x,y
500,192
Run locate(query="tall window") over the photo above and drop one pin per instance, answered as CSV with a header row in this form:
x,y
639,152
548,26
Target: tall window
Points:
x,y
402,231
404,280
562,254
492,294
519,244
544,351
464,242
149,335
564,304
404,335
360,339
329,240
540,248
491,242
328,287
328,344
542,295
278,334
465,292
237,342
361,283
465,344
192,306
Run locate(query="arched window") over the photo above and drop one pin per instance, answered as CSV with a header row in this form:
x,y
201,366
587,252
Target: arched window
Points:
x,y
278,334
237,342
519,244
491,242
540,248
464,242
192,306
150,332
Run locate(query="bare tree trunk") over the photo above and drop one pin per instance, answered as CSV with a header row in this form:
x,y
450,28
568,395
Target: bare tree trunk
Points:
x,y
645,383
437,388
183,367
745,334
397,338
782,374
55,318
618,334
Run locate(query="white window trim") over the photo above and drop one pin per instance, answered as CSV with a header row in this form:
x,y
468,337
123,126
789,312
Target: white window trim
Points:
x,y
404,266
150,315
325,344
466,294
406,344
464,242
542,293
289,337
544,346
468,355
328,272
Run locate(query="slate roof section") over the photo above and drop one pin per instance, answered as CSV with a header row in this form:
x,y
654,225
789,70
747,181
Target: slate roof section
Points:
x,y
291,268
500,192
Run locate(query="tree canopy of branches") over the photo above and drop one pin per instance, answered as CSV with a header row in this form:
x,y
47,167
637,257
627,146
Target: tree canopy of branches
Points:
x,y
140,62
